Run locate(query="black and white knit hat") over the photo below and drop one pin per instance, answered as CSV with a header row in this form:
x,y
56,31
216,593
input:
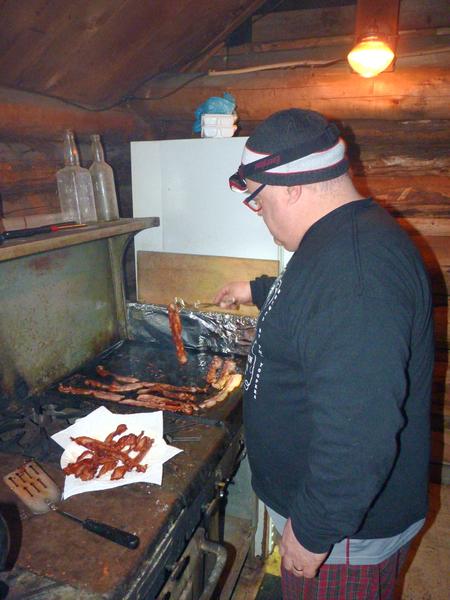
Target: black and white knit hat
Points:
x,y
292,147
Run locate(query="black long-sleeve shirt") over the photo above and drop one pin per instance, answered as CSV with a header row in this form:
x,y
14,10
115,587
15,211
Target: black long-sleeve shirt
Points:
x,y
338,381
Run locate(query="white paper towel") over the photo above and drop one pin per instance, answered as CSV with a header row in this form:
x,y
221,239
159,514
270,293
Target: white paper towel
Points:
x,y
98,424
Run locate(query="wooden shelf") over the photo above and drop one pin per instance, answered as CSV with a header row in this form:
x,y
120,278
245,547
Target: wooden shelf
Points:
x,y
62,239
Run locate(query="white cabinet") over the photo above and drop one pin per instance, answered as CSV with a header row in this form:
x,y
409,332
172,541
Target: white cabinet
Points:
x,y
185,183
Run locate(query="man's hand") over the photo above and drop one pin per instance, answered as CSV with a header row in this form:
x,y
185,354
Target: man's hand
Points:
x,y
233,294
297,559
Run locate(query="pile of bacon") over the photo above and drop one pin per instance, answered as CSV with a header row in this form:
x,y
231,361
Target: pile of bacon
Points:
x,y
221,378
100,457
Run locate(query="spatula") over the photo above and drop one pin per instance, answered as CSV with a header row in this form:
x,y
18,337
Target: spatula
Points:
x,y
41,494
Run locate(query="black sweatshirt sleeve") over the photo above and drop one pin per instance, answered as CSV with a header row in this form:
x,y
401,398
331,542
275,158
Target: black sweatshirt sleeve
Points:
x,y
356,356
260,288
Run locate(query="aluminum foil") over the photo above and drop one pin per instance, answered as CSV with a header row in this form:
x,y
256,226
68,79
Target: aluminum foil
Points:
x,y
216,332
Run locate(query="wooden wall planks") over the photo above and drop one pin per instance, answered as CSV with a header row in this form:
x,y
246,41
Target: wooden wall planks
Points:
x,y
409,93
31,150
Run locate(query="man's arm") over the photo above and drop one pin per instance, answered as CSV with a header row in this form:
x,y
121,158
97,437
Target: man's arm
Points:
x,y
260,288
244,292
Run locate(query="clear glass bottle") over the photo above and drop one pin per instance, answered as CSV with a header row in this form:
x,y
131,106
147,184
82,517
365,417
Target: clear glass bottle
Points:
x,y
103,182
76,194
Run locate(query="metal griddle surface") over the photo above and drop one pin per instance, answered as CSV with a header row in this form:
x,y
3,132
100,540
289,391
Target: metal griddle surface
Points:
x,y
150,363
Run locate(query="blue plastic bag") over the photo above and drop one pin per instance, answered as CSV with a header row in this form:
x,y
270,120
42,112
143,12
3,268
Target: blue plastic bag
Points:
x,y
214,106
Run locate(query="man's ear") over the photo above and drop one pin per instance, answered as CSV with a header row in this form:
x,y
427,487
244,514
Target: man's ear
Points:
x,y
294,193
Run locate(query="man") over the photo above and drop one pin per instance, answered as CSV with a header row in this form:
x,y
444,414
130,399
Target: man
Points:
x,y
338,380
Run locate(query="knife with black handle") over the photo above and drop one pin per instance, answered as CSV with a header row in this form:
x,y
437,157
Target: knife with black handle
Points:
x,y
20,233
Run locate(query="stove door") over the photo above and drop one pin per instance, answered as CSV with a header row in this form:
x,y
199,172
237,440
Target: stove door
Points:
x,y
193,577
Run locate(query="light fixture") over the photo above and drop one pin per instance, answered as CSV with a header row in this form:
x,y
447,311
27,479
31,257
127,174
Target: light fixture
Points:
x,y
370,56
375,36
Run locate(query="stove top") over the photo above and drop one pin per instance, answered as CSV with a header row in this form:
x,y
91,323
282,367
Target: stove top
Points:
x,y
27,430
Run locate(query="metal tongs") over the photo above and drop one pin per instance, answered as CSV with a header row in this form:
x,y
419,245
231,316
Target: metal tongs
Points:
x,y
197,305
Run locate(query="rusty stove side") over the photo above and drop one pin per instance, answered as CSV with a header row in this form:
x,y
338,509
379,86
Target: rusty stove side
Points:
x,y
58,309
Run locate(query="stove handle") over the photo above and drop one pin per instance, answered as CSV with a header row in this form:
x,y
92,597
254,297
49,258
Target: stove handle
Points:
x,y
171,589
221,558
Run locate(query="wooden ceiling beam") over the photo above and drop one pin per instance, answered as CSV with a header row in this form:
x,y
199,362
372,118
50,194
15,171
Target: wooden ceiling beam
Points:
x,y
325,22
380,18
218,42
410,43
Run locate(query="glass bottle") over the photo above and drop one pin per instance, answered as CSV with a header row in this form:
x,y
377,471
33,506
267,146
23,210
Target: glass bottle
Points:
x,y
103,182
76,194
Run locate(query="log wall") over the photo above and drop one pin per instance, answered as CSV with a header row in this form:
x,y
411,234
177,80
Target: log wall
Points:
x,y
31,150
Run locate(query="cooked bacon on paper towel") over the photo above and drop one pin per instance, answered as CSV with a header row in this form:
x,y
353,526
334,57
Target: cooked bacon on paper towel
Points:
x,y
100,457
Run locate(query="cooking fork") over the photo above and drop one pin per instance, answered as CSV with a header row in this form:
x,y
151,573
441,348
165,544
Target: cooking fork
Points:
x,y
197,305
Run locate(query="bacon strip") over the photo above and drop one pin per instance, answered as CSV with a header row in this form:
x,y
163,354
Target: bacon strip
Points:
x,y
163,404
113,387
157,386
233,382
119,430
183,396
93,383
77,391
228,368
166,389
214,366
122,378
108,454
175,327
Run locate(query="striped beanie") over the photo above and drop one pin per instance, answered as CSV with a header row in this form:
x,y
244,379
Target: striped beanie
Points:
x,y
294,147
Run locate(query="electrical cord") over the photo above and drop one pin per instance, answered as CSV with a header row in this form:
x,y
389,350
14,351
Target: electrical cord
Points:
x,y
174,91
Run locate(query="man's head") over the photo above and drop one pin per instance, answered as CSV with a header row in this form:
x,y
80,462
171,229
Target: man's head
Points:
x,y
292,147
287,158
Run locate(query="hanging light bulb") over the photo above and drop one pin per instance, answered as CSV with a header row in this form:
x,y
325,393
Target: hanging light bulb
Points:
x,y
370,56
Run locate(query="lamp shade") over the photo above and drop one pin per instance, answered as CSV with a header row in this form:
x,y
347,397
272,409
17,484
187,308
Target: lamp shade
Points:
x,y
370,56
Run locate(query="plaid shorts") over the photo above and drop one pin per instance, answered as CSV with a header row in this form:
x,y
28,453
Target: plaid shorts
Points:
x,y
347,582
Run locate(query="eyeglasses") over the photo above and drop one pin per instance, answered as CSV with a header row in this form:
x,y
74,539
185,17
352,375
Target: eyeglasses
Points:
x,y
251,202
238,183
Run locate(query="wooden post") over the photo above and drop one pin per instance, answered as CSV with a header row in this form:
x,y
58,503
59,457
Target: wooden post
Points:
x,y
378,17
